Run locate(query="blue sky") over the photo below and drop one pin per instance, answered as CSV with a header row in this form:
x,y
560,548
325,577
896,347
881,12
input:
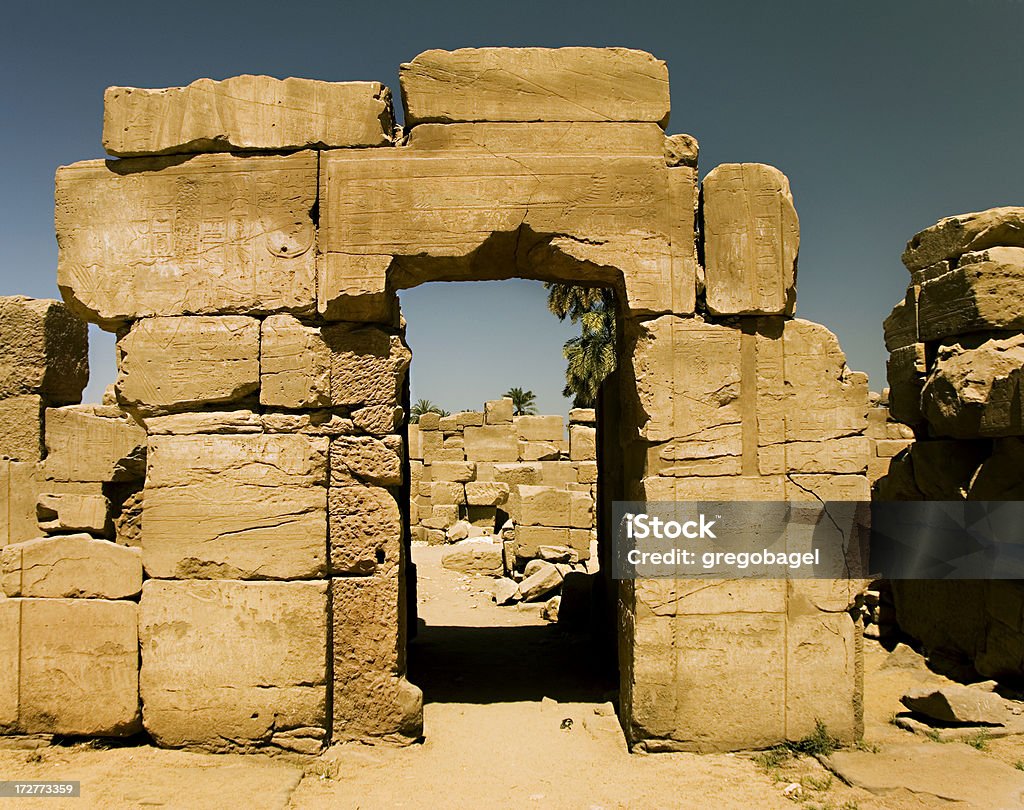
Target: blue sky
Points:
x,y
885,116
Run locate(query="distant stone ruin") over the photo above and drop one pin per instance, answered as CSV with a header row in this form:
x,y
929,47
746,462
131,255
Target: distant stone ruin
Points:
x,y
247,249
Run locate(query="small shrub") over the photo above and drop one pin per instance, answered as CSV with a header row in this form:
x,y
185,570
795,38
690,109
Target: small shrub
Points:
x,y
817,743
818,783
773,757
979,740
1019,764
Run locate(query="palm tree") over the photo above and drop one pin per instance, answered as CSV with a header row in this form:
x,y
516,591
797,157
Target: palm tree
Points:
x,y
423,406
591,356
524,403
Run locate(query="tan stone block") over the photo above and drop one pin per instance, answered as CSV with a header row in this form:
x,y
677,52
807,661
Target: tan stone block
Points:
x,y
234,664
546,506
245,113
498,411
449,454
448,492
900,327
179,363
63,512
583,416
724,488
906,369
216,234
954,236
235,507
367,460
558,474
751,240
368,365
295,364
529,539
530,474
587,473
539,428
10,673
681,150
842,455
691,597
538,451
185,424
974,388
93,443
447,424
582,443
484,471
365,528
468,418
44,349
22,484
72,565
535,84
823,678
460,471
486,493
454,442
354,286
21,427
972,298
372,699
378,420
429,421
491,443
79,667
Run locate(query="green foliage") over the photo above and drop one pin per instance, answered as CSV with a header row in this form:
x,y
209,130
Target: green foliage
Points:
x,y
773,757
1019,764
818,743
591,355
423,406
979,740
524,403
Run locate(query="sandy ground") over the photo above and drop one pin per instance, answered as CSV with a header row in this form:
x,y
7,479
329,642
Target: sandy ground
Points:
x,y
499,686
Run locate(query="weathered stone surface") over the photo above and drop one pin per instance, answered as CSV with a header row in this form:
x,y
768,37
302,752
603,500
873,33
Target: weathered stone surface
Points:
x,y
21,427
547,506
540,582
535,84
236,507
44,349
974,389
128,524
954,236
22,484
368,365
67,512
906,369
505,591
365,528
953,703
972,298
93,443
295,364
529,473
73,565
530,539
539,451
459,471
10,675
491,443
366,459
217,234
234,664
583,416
486,493
998,478
178,363
751,241
78,667
539,428
372,699
187,424
498,411
475,557
681,150
900,328
582,443
245,113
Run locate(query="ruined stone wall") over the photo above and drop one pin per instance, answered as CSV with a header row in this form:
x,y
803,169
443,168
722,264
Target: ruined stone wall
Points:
x,y
487,467
887,436
248,250
955,359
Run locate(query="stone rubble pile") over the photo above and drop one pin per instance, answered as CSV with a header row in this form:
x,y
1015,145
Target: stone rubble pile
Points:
x,y
955,367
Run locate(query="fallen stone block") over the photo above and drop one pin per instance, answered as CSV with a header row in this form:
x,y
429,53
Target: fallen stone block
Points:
x,y
57,512
234,665
236,507
70,566
752,237
954,236
44,350
216,234
505,591
974,389
21,427
182,363
94,443
957,704
480,557
245,113
540,582
535,84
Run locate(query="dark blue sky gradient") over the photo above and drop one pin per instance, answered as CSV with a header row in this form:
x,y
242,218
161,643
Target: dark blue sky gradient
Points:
x,y
885,116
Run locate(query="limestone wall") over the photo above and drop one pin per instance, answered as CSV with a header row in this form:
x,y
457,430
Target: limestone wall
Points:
x,y
248,256
886,435
954,368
